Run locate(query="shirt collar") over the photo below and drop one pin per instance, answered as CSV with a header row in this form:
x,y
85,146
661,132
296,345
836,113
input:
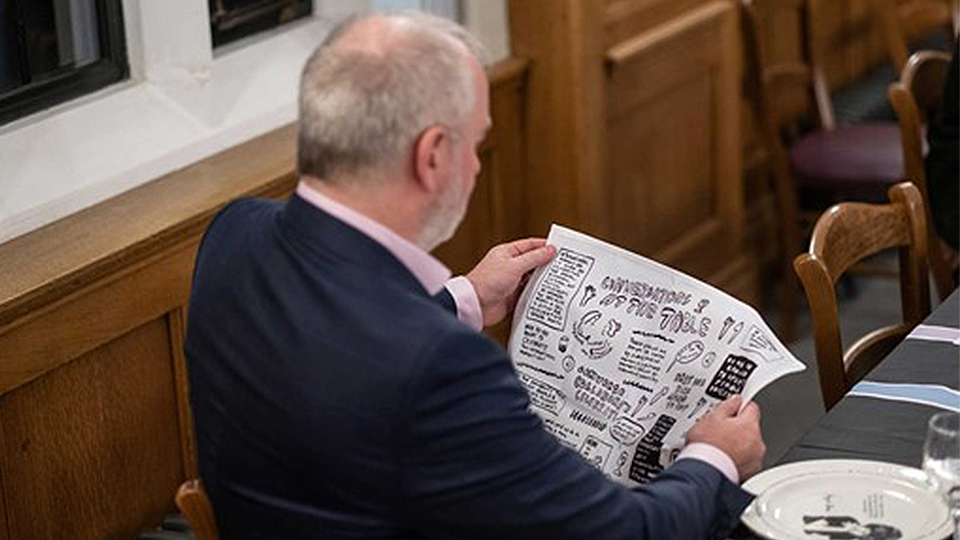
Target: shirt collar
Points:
x,y
429,271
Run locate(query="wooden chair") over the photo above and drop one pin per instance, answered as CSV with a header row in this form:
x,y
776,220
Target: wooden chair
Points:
x,y
829,162
192,500
905,21
844,235
916,98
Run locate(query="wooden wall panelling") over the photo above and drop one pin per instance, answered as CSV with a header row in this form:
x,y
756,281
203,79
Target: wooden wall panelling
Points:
x,y
92,450
673,128
565,151
624,19
94,315
634,123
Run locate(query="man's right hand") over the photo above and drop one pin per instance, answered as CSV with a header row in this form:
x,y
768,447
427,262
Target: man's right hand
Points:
x,y
736,434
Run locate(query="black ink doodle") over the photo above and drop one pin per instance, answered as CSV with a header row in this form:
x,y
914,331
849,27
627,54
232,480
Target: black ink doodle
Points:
x,y
534,344
580,327
621,461
736,331
588,293
648,416
696,408
756,341
563,343
642,308
640,403
727,325
688,353
595,349
679,321
615,299
709,358
646,460
558,287
588,420
540,370
625,431
595,451
611,328
660,393
598,350
677,400
661,337
731,377
569,363
637,385
645,290
543,395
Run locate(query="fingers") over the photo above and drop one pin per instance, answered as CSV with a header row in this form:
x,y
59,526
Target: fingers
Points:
x,y
519,247
535,258
751,412
728,407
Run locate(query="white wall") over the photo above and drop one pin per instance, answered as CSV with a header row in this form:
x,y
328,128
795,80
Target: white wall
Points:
x,y
182,103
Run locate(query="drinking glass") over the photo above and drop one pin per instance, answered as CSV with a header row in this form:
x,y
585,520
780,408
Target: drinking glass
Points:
x,y
941,461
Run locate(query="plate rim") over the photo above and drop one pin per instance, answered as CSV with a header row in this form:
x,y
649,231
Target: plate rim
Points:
x,y
775,475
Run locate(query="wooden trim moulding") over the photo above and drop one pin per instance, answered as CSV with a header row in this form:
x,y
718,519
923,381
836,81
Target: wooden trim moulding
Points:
x,y
43,268
45,265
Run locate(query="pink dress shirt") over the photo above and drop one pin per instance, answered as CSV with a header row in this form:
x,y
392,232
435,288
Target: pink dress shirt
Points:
x,y
433,275
430,272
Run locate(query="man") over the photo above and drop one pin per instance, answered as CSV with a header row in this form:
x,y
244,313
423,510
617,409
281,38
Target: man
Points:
x,y
335,391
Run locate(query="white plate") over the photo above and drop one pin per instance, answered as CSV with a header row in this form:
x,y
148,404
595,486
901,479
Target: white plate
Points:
x,y
845,499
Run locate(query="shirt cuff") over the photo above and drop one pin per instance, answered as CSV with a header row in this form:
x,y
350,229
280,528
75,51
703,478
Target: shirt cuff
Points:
x,y
713,456
465,298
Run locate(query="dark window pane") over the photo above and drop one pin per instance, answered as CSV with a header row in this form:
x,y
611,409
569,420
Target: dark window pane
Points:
x,y
55,50
231,20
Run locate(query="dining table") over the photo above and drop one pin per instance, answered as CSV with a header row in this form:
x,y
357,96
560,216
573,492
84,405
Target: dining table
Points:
x,y
884,416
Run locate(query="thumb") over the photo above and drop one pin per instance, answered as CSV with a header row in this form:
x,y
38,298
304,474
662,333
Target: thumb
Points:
x,y
728,407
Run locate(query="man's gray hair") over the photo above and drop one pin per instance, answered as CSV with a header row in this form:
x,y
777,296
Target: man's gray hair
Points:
x,y
363,107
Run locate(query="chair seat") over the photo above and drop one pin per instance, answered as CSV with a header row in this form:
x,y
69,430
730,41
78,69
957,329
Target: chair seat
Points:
x,y
860,160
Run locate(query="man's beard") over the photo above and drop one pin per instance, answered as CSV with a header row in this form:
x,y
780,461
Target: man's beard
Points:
x,y
445,213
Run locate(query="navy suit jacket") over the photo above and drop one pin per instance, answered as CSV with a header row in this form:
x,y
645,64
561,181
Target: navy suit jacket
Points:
x,y
335,398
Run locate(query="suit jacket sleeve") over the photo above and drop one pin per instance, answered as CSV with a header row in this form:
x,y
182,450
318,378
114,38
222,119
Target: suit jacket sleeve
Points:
x,y
478,464
445,299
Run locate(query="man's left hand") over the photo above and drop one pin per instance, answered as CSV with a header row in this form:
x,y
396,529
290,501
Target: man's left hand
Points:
x,y
498,277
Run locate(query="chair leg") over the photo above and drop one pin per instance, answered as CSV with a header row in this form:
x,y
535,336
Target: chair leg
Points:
x,y
789,303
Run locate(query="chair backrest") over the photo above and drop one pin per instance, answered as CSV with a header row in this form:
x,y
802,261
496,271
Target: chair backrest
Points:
x,y
916,97
844,235
903,21
192,500
783,82
756,89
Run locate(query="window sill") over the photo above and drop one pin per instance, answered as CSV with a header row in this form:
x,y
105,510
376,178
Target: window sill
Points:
x,y
76,155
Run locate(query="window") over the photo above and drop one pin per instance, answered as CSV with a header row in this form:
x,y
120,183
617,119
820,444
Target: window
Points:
x,y
55,50
231,20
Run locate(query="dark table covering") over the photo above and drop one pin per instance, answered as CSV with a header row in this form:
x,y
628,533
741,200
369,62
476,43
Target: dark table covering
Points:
x,y
884,430
879,429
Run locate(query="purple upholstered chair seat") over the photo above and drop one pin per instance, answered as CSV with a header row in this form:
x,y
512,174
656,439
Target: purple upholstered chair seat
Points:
x,y
856,159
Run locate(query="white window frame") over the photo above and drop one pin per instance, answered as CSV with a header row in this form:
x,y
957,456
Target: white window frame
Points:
x,y
183,102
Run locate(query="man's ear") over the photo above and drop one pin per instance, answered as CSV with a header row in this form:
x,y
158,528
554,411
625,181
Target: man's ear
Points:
x,y
431,158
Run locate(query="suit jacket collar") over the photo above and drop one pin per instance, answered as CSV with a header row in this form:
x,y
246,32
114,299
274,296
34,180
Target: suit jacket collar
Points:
x,y
321,233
